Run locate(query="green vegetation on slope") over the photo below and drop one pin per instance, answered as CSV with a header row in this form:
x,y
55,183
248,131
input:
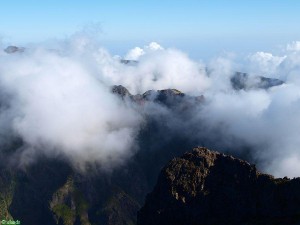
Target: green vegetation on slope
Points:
x,y
68,202
7,187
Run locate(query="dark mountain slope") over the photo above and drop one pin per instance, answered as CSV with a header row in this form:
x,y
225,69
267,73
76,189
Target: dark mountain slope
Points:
x,y
205,187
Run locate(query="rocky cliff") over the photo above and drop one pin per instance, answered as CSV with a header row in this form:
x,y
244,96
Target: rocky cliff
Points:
x,y
206,187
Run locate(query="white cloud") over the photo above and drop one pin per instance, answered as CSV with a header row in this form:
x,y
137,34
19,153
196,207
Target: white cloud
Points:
x,y
263,63
137,52
154,46
60,107
294,46
286,166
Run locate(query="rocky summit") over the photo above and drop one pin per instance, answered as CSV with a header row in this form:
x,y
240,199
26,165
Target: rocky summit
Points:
x,y
205,187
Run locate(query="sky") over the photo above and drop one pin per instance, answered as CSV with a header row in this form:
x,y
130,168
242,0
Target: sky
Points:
x,y
200,28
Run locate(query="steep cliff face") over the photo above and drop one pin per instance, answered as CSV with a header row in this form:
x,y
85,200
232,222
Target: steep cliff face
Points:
x,y
206,187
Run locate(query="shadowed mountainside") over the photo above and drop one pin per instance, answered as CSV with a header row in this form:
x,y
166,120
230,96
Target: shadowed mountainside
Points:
x,y
205,187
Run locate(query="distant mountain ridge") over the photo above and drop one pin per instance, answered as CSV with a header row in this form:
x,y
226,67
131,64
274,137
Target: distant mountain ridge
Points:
x,y
244,81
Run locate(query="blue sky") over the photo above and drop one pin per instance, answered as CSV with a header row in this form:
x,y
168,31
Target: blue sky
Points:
x,y
198,27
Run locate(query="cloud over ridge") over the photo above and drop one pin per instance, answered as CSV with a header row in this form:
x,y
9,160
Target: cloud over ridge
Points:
x,y
59,101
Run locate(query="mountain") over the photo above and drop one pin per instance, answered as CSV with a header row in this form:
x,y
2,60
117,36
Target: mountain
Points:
x,y
50,191
245,81
129,62
205,187
171,98
14,49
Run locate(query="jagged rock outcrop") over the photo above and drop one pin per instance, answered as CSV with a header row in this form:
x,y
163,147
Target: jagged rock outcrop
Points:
x,y
206,187
168,97
120,91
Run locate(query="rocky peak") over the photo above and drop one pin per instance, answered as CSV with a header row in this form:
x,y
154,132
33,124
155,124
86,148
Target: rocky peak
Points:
x,y
207,187
172,92
244,81
171,98
169,94
120,90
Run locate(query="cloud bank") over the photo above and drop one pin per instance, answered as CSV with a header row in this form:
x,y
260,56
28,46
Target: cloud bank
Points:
x,y
57,99
58,105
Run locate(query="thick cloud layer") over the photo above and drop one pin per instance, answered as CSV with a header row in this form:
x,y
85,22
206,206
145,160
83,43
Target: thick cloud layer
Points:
x,y
266,120
58,100
57,104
